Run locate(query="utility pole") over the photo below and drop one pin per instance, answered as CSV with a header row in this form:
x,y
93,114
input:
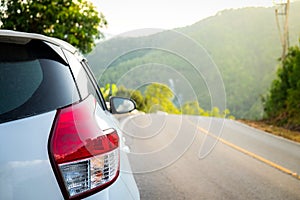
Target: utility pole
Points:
x,y
282,9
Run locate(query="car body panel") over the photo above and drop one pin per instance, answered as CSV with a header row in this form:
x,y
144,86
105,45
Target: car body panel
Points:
x,y
24,160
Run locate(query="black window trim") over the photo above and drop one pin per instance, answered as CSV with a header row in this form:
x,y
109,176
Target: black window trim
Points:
x,y
92,78
70,68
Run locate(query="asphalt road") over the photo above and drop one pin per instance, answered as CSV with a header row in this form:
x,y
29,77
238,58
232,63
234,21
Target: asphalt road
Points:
x,y
180,157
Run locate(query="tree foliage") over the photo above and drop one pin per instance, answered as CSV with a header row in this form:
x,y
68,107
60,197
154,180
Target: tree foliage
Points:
x,y
282,105
159,97
76,22
193,108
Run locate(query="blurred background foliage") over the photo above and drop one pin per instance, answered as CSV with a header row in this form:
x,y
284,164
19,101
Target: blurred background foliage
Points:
x,y
160,98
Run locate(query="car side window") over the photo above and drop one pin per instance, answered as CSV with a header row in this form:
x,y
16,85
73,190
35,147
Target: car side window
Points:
x,y
94,82
84,83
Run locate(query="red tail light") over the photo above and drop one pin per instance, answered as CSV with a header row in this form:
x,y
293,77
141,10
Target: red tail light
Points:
x,y
85,158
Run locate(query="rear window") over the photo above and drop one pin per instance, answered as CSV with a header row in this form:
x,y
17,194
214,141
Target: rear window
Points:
x,y
34,79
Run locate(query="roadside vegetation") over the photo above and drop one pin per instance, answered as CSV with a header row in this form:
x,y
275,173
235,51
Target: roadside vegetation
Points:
x,y
282,104
159,97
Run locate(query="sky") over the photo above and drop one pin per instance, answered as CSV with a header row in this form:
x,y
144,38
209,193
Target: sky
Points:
x,y
129,15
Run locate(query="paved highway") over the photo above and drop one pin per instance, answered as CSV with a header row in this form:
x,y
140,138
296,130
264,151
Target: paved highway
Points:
x,y
185,157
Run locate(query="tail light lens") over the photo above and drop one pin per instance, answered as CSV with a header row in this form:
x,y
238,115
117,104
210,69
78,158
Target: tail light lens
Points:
x,y
84,157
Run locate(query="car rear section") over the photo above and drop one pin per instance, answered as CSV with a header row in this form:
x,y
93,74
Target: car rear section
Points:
x,y
57,139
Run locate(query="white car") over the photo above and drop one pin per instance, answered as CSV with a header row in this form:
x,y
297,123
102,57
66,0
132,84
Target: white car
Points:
x,y
58,139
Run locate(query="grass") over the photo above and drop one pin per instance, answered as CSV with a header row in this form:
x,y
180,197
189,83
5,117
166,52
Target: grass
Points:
x,y
279,131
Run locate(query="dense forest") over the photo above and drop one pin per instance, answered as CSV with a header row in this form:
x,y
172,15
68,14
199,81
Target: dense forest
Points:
x,y
230,58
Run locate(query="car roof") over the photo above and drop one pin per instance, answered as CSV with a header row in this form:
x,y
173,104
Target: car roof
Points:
x,y
23,37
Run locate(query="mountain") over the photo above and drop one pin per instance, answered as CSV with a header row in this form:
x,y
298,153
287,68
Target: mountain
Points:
x,y
230,58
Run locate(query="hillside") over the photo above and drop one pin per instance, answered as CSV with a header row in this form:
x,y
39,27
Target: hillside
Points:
x,y
240,47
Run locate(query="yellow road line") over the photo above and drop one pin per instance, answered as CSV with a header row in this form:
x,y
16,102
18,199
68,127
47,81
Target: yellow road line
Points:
x,y
251,154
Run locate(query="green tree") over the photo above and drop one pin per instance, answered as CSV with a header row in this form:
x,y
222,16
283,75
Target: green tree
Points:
x,y
158,97
193,108
109,90
76,22
282,105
